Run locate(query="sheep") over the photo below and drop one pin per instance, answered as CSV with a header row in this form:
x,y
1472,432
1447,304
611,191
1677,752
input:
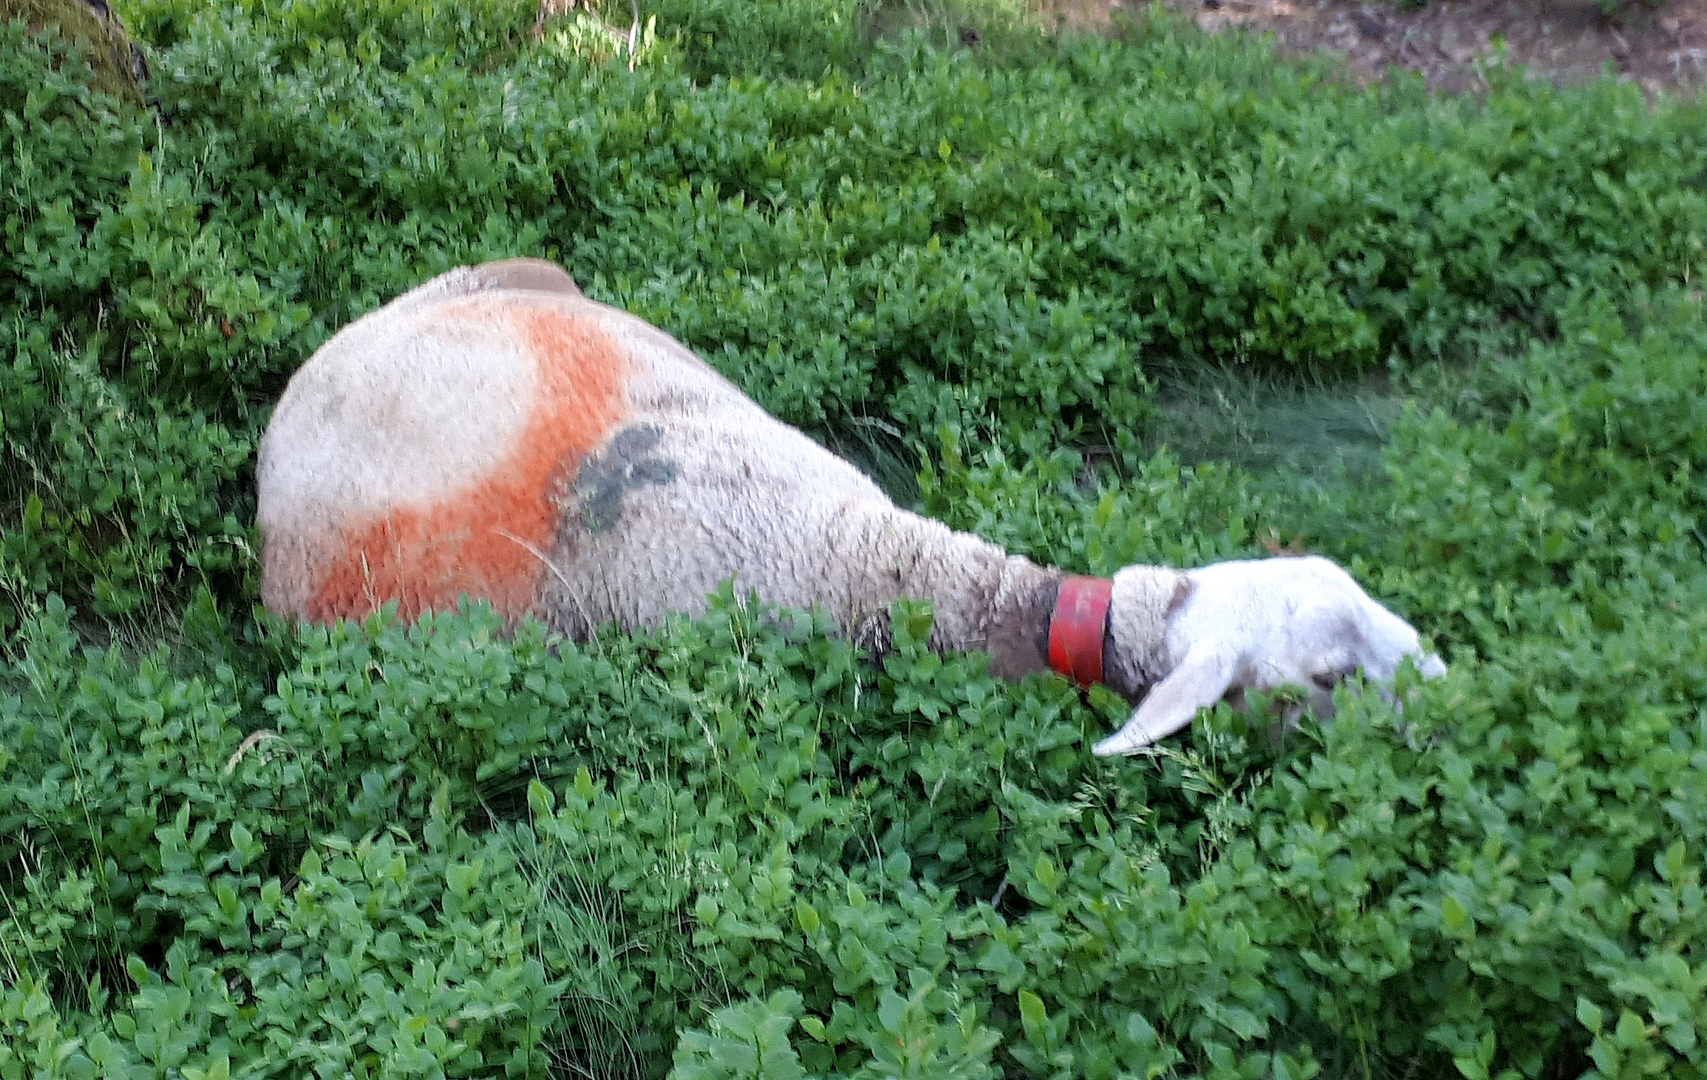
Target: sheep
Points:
x,y
495,434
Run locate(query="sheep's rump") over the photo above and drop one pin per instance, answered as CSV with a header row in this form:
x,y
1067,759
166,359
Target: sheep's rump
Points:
x,y
494,434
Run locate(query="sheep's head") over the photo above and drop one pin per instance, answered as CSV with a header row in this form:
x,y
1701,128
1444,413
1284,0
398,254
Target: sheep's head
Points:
x,y
1257,625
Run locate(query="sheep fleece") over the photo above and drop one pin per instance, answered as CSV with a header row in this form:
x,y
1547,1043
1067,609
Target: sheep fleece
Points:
x,y
496,434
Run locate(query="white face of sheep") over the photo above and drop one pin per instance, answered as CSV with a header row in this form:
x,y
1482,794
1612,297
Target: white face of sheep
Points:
x,y
1265,624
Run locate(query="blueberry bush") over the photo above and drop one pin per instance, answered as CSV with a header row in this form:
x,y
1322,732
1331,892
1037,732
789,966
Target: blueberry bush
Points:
x,y
736,847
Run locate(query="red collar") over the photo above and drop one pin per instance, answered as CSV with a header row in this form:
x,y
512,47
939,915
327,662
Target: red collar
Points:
x,y
1076,628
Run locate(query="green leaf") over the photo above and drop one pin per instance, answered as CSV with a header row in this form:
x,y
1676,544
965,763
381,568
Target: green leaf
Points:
x,y
806,917
462,877
1589,1015
1455,917
1670,864
541,802
1034,1017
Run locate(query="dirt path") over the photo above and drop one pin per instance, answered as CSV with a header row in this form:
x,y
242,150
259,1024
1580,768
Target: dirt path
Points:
x,y
1662,47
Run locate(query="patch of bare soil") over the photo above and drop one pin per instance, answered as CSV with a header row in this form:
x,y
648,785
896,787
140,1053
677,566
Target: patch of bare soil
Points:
x,y
1662,47
118,64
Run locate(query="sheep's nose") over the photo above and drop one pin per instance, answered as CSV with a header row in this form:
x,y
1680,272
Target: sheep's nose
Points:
x,y
1431,667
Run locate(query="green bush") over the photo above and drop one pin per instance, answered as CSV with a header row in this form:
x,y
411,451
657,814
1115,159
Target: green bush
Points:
x,y
734,847
887,231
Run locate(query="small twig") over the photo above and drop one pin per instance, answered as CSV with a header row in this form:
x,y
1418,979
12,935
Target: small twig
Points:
x,y
254,739
568,590
538,554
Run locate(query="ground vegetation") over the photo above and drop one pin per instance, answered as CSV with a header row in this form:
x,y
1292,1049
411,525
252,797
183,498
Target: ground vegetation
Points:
x,y
1102,299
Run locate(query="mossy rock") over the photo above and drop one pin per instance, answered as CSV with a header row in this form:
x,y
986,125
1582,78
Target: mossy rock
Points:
x,y
107,49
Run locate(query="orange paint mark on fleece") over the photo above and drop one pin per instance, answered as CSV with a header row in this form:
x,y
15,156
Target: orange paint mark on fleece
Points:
x,y
476,540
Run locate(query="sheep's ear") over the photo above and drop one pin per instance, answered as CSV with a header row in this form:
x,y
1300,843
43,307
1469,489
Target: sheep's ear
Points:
x,y
1201,679
533,274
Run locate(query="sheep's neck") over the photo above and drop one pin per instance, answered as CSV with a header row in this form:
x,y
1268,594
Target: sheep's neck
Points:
x,y
984,598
